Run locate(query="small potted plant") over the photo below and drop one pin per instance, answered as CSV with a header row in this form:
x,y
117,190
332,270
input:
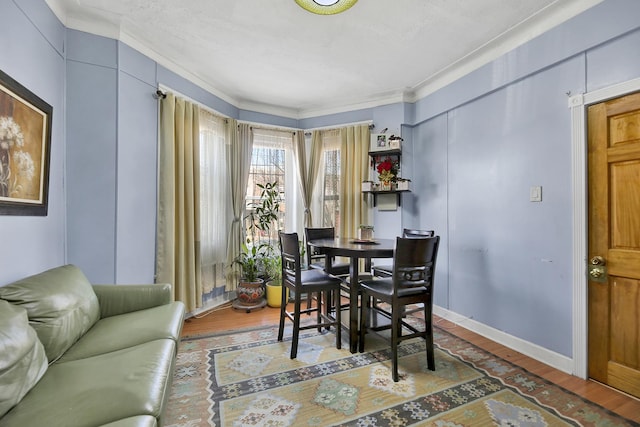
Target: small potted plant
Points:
x,y
250,291
273,277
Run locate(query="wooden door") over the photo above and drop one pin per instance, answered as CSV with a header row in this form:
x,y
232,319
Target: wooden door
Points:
x,y
614,235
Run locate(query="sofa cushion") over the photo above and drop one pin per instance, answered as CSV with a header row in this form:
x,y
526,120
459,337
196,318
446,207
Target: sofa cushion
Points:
x,y
60,303
22,358
127,330
140,421
99,390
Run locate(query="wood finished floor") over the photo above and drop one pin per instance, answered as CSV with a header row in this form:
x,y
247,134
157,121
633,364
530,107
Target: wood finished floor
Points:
x,y
227,319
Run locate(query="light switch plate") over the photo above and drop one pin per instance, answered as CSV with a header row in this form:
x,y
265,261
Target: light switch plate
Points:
x,y
535,194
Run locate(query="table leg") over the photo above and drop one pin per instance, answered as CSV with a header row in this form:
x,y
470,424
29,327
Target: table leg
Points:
x,y
353,305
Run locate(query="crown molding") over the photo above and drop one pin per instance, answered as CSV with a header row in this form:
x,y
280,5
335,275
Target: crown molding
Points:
x,y
58,9
551,16
546,19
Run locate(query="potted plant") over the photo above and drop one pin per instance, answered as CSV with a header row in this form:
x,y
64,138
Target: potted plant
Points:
x,y
273,277
250,291
256,253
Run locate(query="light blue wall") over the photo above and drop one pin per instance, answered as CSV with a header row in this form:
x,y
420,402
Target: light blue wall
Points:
x,y
91,171
478,146
472,150
32,53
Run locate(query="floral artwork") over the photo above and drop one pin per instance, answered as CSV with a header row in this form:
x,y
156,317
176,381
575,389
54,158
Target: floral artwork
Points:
x,y
25,123
388,170
16,165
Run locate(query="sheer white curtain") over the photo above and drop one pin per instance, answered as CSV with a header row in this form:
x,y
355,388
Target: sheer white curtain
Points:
x,y
308,166
326,212
240,139
215,203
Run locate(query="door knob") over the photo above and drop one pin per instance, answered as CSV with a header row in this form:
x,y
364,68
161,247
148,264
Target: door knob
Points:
x,y
597,269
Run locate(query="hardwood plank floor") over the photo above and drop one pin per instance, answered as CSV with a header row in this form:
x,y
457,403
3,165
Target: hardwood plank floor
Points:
x,y
228,319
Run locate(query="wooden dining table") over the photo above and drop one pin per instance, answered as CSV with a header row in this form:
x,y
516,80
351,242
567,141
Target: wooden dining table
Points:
x,y
355,250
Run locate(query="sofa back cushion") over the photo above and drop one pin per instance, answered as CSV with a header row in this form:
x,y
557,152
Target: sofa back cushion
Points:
x,y
60,303
22,358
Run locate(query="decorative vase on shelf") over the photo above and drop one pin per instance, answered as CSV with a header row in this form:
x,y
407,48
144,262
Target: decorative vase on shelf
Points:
x,y
385,185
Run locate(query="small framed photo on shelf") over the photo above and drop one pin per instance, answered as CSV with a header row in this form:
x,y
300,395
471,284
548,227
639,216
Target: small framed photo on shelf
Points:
x,y
379,142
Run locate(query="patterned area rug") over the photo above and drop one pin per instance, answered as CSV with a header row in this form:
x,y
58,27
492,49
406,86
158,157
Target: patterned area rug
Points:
x,y
247,379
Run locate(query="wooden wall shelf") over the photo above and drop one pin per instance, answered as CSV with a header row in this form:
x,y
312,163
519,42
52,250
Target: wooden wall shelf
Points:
x,y
376,192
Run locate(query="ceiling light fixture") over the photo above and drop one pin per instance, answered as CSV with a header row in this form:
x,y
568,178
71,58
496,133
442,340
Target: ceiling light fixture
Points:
x,y
326,7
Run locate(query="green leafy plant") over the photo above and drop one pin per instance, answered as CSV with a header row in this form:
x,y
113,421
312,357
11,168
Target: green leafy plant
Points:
x,y
264,214
273,269
262,219
251,260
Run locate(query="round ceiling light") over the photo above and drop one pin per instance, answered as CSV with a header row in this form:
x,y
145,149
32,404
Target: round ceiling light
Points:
x,y
326,7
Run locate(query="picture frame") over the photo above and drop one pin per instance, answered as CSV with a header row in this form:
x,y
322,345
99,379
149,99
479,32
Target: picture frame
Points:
x,y
379,142
25,150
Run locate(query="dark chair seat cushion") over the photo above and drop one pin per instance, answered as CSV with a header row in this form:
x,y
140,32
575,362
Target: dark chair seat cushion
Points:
x,y
315,277
338,268
384,287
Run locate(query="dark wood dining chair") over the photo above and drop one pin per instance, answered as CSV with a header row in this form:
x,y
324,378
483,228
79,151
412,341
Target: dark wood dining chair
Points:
x,y
411,282
316,258
385,270
309,282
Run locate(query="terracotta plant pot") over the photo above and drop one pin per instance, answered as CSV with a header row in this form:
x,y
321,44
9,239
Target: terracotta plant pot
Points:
x,y
250,293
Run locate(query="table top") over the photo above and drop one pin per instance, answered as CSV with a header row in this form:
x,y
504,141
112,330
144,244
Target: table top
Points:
x,y
378,248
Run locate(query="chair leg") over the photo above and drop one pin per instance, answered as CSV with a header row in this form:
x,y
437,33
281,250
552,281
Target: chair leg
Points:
x,y
428,329
283,309
395,334
364,312
296,326
327,300
319,302
338,318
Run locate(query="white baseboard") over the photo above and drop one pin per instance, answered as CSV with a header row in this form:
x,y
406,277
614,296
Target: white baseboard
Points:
x,y
541,354
211,305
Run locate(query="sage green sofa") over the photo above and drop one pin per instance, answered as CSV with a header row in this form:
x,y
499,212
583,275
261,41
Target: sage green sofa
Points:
x,y
74,354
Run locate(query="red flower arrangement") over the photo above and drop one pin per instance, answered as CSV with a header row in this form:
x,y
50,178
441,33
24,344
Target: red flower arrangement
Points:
x,y
387,170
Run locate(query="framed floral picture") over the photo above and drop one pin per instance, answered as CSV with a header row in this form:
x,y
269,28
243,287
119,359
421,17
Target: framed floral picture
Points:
x,y
25,144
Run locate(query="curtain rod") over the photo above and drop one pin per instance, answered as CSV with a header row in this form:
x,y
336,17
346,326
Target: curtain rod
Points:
x,y
161,93
369,122
269,127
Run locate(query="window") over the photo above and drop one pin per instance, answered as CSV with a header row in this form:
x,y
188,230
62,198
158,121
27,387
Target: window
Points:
x,y
215,202
272,161
328,183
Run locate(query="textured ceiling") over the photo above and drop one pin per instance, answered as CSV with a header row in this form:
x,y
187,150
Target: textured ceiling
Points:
x,y
274,57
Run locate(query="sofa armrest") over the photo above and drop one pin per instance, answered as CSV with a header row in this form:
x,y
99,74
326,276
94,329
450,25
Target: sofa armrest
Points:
x,y
119,299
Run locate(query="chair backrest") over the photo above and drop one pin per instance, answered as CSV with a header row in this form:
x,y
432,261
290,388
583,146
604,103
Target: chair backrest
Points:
x,y
414,263
314,254
290,253
410,232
